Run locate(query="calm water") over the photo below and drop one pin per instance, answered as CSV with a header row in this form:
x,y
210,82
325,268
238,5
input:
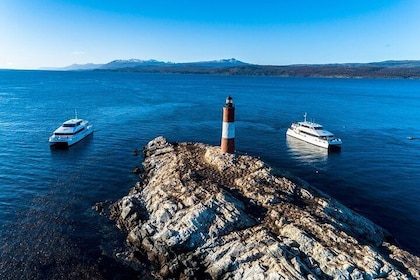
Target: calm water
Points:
x,y
47,226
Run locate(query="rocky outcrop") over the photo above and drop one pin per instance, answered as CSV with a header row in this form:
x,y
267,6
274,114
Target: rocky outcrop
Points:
x,y
200,214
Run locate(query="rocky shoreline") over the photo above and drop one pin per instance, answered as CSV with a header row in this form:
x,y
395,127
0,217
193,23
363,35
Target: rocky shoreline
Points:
x,y
198,214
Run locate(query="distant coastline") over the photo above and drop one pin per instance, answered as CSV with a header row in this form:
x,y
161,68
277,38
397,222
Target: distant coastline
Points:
x,y
407,69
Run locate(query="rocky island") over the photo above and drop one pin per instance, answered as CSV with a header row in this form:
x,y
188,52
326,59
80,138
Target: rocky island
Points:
x,y
196,213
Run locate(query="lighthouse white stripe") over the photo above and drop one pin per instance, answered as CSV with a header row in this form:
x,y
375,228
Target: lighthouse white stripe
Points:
x,y
228,130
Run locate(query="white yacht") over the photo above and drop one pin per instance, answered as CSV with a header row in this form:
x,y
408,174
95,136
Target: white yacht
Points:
x,y
314,133
71,132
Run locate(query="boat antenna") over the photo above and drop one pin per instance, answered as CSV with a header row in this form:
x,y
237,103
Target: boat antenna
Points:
x,y
304,116
75,113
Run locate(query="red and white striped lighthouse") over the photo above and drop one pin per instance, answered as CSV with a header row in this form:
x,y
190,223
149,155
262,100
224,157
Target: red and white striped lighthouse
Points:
x,y
228,130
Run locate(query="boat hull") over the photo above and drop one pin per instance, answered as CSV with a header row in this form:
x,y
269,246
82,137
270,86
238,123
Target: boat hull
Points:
x,y
67,141
333,144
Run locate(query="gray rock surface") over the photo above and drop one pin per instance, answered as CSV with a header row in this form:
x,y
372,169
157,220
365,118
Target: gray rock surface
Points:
x,y
200,214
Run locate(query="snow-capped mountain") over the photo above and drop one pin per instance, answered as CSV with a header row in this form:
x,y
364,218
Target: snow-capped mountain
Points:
x,y
120,63
135,63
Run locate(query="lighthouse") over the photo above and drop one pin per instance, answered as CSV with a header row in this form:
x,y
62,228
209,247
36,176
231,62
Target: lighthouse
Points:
x,y
228,129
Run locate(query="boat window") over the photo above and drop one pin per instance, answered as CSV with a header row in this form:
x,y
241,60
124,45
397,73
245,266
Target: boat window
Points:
x,y
307,133
63,134
80,130
69,125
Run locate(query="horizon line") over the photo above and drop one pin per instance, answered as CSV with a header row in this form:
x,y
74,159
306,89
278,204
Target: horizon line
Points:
x,y
52,68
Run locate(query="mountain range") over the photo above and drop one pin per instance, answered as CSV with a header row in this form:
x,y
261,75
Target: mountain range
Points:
x,y
232,66
135,63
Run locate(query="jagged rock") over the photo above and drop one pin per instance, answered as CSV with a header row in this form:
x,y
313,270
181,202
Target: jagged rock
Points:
x,y
102,208
201,214
136,170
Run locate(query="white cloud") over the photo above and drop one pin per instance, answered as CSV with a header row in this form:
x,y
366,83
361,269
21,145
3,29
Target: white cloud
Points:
x,y
78,53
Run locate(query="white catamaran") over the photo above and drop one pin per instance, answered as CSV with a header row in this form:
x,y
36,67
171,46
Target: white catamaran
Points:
x,y
71,132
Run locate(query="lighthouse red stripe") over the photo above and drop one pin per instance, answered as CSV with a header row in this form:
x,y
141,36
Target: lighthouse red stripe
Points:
x,y
228,114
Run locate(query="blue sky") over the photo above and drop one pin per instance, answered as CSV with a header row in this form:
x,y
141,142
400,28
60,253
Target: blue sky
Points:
x,y
55,33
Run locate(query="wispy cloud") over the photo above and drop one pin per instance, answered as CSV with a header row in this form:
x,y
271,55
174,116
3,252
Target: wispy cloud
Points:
x,y
78,53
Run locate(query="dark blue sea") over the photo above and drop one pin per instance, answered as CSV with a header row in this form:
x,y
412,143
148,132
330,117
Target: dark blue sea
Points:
x,y
47,226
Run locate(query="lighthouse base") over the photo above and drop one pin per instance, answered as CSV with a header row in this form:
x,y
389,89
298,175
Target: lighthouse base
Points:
x,y
228,145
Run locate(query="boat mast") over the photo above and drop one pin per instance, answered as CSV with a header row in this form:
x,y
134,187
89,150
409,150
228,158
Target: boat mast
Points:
x,y
75,113
304,117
